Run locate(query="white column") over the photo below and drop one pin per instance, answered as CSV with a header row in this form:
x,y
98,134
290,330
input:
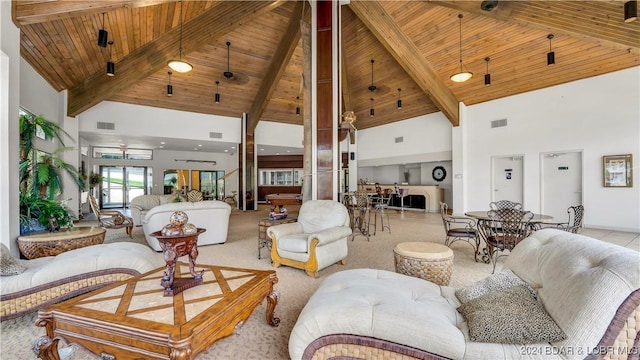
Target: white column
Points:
x,y
458,163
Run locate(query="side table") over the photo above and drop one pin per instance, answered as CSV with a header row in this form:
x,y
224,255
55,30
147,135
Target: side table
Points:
x,y
263,225
428,261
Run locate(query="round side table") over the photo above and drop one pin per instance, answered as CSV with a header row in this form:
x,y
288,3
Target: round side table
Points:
x,y
428,261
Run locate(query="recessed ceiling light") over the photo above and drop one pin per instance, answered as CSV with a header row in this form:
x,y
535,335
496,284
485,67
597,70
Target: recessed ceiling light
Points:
x,y
288,150
225,150
199,145
195,148
261,149
277,153
161,146
162,142
233,147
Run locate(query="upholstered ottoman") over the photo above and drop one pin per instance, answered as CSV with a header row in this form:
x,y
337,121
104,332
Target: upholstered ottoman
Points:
x,y
428,261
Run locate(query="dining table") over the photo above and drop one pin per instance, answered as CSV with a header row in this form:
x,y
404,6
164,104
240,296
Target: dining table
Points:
x,y
483,220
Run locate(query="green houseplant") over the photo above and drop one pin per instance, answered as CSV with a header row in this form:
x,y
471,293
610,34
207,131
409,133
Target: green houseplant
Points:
x,y
41,177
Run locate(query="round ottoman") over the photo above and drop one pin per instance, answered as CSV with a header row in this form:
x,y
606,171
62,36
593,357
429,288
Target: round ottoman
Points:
x,y
428,261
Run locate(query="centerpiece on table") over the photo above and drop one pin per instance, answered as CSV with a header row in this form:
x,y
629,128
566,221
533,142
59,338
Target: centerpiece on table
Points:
x,y
179,238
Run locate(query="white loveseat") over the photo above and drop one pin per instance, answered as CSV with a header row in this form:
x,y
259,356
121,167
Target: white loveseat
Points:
x,y
589,288
140,205
212,215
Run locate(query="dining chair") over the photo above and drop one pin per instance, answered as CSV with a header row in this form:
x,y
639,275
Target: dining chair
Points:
x,y
506,228
194,195
505,204
111,219
361,214
381,208
574,223
459,228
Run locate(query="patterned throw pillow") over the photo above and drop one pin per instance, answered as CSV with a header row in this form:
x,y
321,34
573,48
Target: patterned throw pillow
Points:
x,y
511,316
496,282
8,264
118,219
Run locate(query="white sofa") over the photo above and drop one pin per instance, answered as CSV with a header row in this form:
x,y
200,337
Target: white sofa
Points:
x,y
212,215
52,279
589,288
140,205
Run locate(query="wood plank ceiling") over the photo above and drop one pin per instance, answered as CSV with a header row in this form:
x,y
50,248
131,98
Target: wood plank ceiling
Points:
x,y
415,46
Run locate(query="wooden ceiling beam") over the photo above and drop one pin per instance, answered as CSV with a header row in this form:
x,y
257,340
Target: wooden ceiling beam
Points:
x,y
153,56
398,44
603,30
30,12
278,65
344,81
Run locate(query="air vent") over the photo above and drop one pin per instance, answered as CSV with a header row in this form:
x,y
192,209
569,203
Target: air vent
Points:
x,y
106,126
399,139
215,135
499,123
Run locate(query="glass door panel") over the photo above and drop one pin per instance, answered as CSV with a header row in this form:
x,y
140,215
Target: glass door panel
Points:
x,y
121,184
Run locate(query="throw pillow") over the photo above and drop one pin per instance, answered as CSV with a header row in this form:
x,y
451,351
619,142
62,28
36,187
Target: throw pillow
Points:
x,y
496,282
511,316
9,265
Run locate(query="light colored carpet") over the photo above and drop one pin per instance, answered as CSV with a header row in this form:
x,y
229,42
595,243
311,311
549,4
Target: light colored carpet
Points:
x,y
258,340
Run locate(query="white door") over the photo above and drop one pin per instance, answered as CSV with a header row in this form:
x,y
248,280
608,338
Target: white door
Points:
x,y
508,180
561,183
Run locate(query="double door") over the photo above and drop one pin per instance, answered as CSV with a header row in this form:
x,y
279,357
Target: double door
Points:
x,y
120,184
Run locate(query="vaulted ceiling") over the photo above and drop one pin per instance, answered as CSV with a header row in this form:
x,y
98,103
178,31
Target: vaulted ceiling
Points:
x,y
415,45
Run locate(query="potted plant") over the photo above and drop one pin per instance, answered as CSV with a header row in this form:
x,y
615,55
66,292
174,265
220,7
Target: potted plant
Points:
x,y
41,177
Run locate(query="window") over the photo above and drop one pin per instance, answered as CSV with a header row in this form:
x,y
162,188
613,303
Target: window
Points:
x,y
39,133
282,177
122,153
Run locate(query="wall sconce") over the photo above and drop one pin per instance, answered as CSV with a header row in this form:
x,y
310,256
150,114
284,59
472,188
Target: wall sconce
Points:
x,y
111,66
551,56
630,11
169,86
372,112
298,105
217,96
103,35
399,100
487,76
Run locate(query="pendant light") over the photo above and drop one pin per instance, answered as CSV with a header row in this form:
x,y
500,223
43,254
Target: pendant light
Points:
x,y
228,74
179,65
217,96
372,87
103,35
298,105
399,100
111,66
487,76
463,75
630,11
372,112
169,86
551,56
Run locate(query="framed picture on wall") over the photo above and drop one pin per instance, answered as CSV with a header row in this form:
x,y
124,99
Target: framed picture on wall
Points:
x,y
616,170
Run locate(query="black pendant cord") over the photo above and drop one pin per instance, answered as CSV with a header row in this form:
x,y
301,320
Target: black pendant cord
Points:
x,y
460,32
180,48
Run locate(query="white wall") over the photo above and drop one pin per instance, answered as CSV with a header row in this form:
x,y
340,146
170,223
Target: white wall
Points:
x,y
599,115
279,134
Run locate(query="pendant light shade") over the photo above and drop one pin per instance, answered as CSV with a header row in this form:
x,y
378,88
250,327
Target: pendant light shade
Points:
x,y
487,76
399,99
551,56
372,112
372,87
217,96
298,105
169,86
111,66
103,35
180,65
463,75
630,11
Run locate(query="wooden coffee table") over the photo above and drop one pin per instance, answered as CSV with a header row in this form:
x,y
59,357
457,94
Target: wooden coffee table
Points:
x,y
133,320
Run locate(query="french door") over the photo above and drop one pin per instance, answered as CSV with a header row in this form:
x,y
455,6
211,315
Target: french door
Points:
x,y
120,184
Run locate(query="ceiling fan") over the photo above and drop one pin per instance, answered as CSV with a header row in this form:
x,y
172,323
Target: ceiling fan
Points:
x,y
237,78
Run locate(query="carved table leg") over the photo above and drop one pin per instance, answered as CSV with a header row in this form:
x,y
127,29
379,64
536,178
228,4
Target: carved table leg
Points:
x,y
46,348
272,301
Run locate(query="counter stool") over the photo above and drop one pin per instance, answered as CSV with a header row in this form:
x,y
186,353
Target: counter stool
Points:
x,y
425,260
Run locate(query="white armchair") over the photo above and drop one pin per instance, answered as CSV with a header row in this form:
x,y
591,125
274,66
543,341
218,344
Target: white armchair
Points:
x,y
317,240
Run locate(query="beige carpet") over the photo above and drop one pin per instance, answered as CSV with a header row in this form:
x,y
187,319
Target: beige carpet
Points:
x,y
258,340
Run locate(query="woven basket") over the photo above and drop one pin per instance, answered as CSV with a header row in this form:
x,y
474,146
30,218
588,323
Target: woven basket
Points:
x,y
38,246
437,271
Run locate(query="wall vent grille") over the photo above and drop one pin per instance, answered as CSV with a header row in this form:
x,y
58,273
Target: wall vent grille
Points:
x,y
399,139
106,125
499,123
215,135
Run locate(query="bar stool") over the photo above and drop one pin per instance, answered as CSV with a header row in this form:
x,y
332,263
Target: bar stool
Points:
x,y
381,208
